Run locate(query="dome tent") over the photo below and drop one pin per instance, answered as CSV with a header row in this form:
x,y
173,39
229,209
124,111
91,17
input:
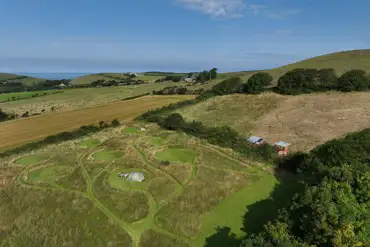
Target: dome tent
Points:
x,y
136,176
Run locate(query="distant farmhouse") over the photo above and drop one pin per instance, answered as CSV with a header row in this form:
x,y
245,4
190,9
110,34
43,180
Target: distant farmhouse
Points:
x,y
190,78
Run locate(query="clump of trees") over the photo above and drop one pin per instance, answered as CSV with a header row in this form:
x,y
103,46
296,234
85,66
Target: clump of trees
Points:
x,y
172,90
257,83
206,75
354,80
110,83
300,81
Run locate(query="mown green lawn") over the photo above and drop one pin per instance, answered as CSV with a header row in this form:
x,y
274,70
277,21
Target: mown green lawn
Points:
x,y
29,160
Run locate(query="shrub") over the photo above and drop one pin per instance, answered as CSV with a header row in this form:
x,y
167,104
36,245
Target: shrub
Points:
x,y
228,86
353,80
115,123
300,81
173,122
328,79
164,163
257,83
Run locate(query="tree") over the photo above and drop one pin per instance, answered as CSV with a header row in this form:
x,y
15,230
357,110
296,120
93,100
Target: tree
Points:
x,y
329,215
101,123
203,76
353,80
115,123
173,122
257,83
213,73
228,86
327,79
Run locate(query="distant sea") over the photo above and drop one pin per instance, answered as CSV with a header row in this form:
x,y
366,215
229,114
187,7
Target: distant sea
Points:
x,y
54,76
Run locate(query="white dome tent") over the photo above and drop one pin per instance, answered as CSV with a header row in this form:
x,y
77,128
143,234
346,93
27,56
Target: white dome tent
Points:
x,y
136,177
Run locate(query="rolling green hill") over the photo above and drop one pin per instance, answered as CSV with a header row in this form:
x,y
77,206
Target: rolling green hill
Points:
x,y
19,78
87,79
340,61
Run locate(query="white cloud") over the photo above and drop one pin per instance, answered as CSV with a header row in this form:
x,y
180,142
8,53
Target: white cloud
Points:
x,y
256,8
217,8
280,15
235,8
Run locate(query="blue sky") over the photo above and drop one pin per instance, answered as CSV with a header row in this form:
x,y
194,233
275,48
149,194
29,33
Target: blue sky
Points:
x,y
174,35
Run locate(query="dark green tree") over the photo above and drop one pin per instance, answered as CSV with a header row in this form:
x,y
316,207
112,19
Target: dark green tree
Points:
x,y
353,80
213,73
327,79
173,122
228,86
115,123
257,83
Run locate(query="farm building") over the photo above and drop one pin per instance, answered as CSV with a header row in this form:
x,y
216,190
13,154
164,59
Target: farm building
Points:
x,y
136,177
282,147
255,140
192,78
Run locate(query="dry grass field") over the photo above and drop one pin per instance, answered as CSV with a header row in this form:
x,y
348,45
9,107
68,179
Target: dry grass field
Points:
x,y
304,121
18,132
72,99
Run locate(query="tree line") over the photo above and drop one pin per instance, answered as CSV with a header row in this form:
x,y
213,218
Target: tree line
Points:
x,y
301,81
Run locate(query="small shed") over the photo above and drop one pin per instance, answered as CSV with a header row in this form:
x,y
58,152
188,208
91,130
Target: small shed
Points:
x,y
136,177
255,140
282,147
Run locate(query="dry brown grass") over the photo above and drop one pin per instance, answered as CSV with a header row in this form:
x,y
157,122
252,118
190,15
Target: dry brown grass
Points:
x,y
18,132
238,111
308,120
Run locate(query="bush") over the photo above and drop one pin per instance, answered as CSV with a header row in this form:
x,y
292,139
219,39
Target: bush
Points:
x,y
354,80
228,86
173,122
257,83
300,81
115,123
164,163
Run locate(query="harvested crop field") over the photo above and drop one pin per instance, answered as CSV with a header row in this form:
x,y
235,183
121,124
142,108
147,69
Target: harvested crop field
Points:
x,y
18,132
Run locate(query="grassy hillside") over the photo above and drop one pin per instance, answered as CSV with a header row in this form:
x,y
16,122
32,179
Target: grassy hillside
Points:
x,y
304,121
71,99
87,79
19,78
340,61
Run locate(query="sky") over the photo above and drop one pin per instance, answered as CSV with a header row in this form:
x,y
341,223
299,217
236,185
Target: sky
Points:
x,y
175,35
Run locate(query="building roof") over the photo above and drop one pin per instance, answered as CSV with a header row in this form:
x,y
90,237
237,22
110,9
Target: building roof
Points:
x,y
255,139
282,144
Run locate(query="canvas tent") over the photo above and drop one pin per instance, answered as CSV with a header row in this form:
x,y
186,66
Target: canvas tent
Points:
x,y
136,177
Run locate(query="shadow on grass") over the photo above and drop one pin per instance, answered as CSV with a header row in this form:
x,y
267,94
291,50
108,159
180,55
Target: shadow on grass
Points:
x,y
259,213
222,238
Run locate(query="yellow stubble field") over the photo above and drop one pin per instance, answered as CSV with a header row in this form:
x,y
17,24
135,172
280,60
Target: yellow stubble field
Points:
x,y
18,132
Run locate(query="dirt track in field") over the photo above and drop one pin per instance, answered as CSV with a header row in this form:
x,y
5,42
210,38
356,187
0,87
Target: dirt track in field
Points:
x,y
18,132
